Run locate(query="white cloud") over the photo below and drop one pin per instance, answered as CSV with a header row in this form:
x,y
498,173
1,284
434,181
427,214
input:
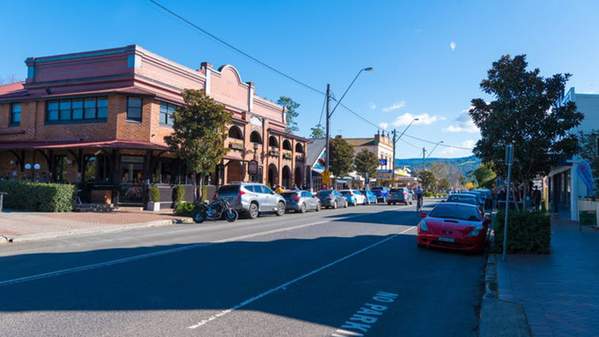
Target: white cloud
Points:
x,y
423,119
470,143
452,45
395,106
372,106
463,124
383,125
453,152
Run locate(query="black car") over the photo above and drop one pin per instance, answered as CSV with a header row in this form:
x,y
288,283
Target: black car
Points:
x,y
331,199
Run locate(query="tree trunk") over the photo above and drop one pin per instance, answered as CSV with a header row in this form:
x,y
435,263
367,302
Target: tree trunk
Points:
x,y
524,193
201,191
195,187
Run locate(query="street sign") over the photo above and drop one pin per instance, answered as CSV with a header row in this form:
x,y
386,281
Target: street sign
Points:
x,y
383,162
326,177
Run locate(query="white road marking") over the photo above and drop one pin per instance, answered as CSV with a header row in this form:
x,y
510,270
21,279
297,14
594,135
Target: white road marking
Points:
x,y
366,316
295,280
109,263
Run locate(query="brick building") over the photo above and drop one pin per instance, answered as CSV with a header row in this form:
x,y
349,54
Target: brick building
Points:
x,y
99,118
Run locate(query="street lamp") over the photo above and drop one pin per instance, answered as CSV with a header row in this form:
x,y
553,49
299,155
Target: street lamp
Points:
x,y
329,112
434,148
395,139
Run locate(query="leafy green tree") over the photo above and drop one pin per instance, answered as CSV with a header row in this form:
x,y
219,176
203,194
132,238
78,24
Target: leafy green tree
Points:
x,y
199,132
291,112
317,131
366,163
443,185
528,110
427,180
341,157
485,176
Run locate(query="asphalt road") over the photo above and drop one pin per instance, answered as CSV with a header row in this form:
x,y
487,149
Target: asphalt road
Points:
x,y
347,272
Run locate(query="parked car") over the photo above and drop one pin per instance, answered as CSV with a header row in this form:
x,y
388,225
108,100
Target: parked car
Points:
x,y
331,199
370,197
399,196
252,199
463,198
353,197
301,201
456,226
381,193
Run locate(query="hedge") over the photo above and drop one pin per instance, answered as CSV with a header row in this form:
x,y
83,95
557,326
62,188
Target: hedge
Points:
x,y
528,232
40,197
184,208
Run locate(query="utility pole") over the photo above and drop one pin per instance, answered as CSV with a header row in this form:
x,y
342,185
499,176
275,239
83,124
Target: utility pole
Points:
x,y
509,157
395,139
423,154
393,163
327,127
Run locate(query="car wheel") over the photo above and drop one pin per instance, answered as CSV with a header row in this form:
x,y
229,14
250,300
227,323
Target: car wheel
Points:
x,y
253,211
302,208
280,208
335,205
389,203
317,207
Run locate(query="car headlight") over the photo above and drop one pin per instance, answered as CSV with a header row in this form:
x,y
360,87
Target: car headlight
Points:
x,y
422,225
474,232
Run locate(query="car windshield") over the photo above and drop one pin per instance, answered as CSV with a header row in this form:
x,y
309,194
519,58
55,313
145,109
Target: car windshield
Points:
x,y
396,190
288,194
463,198
228,190
376,189
459,212
346,192
324,193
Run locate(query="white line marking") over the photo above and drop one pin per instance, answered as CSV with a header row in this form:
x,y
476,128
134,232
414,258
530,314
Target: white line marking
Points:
x,y
93,266
295,280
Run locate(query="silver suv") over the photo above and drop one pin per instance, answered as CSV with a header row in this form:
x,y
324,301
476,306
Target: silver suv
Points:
x,y
252,199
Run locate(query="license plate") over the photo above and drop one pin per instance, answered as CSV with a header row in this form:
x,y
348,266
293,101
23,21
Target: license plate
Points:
x,y
444,239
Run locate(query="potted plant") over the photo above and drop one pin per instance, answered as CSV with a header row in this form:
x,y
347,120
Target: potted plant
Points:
x,y
154,203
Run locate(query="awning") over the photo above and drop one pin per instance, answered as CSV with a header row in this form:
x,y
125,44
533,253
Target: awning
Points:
x,y
117,144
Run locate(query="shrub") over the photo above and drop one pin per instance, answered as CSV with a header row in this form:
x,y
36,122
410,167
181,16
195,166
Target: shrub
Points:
x,y
587,218
179,194
428,194
528,232
154,193
184,208
40,197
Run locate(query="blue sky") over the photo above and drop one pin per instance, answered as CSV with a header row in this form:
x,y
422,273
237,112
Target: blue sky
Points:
x,y
429,57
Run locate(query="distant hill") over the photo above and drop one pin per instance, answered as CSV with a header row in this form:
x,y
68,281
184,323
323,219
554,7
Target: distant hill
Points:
x,y
464,164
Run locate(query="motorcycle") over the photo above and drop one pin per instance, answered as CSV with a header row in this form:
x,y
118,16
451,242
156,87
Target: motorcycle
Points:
x,y
215,210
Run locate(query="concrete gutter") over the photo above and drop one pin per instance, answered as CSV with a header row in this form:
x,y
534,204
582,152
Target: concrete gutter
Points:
x,y
90,231
500,318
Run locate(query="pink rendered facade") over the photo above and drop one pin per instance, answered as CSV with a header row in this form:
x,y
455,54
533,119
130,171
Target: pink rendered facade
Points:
x,y
117,79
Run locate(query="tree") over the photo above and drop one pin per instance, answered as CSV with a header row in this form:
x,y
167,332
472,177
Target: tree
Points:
x,y
199,132
427,179
366,163
341,157
485,176
529,111
443,185
469,185
317,131
290,112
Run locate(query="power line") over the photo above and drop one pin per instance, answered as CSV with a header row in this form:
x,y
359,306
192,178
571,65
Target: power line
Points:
x,y
435,143
216,38
412,145
272,68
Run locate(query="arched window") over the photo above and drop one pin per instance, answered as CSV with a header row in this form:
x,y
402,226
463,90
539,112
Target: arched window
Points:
x,y
272,141
235,132
299,148
255,137
287,145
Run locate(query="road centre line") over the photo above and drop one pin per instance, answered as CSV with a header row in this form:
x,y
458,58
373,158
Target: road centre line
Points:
x,y
133,258
295,280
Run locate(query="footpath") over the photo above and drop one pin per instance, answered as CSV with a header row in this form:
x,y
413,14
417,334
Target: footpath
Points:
x,y
33,226
545,295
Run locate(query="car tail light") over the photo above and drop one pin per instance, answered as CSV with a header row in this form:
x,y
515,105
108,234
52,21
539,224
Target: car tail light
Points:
x,y
240,194
422,215
296,197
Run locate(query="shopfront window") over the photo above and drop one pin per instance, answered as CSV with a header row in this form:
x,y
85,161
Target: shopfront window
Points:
x,y
98,169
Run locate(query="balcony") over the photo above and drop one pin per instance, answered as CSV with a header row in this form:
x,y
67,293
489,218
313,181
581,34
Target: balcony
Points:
x,y
235,144
287,155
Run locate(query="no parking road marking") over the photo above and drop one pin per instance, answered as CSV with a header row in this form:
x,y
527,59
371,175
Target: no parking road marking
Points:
x,y
368,314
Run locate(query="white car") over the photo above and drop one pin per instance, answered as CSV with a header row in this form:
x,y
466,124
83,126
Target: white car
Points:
x,y
354,197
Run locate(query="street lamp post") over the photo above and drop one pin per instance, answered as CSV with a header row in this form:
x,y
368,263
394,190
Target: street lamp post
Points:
x,y
395,139
330,112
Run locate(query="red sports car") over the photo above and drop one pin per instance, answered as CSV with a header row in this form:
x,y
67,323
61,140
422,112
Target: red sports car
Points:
x,y
454,226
